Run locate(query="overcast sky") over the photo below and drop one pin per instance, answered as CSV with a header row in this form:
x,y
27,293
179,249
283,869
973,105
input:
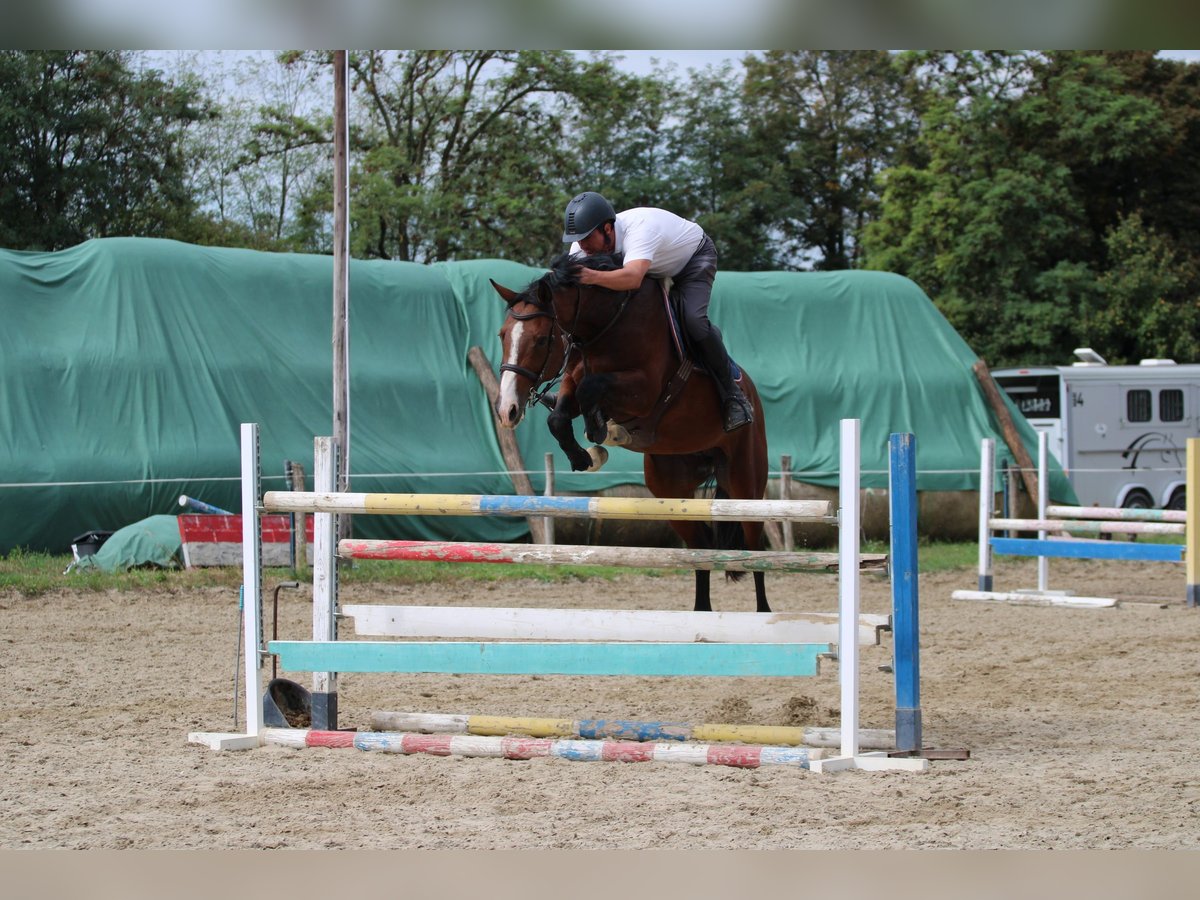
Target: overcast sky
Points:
x,y
641,62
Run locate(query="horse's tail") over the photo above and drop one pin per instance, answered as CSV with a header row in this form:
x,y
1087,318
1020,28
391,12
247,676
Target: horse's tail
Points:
x,y
729,536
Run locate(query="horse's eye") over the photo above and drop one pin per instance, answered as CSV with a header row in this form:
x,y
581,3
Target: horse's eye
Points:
x,y
542,340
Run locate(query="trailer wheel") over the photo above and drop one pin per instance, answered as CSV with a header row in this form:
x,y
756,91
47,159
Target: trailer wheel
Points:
x,y
1138,499
1178,499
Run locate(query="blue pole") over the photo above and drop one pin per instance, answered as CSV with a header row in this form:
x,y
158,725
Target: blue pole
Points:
x,y
906,662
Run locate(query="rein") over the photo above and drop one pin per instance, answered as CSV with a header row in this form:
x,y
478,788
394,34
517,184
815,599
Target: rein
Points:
x,y
575,341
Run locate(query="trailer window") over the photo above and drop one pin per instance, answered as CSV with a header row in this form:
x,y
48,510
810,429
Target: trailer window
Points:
x,y
1137,406
1170,405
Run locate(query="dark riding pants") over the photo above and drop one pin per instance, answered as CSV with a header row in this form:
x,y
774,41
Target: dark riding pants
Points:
x,y
694,283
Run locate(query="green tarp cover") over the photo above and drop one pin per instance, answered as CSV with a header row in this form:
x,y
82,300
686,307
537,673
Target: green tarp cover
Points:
x,y
129,363
152,541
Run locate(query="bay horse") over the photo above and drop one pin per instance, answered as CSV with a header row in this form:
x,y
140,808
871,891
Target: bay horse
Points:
x,y
631,382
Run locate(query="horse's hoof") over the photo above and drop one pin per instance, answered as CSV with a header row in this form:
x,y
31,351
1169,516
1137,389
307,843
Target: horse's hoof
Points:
x,y
599,457
618,435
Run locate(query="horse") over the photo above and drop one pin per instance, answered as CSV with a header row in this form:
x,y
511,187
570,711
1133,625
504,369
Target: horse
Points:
x,y
613,351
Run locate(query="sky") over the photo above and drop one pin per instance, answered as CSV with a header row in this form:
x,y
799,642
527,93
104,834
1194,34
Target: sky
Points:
x,y
641,62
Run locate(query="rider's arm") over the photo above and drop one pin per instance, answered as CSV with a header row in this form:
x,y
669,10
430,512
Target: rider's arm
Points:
x,y
627,278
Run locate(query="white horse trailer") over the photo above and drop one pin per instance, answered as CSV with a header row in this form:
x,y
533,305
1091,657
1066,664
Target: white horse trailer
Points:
x,y
1119,432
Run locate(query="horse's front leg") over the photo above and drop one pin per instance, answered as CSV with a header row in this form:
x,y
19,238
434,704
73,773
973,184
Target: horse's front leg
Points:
x,y
617,395
561,422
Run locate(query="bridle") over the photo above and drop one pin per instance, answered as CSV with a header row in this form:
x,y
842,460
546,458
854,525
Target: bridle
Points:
x,y
569,339
536,396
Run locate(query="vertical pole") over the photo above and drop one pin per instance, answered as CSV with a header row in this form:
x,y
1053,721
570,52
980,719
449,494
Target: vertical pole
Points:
x,y
906,632
548,526
325,583
848,583
987,487
1043,501
252,578
1192,539
299,535
341,276
785,493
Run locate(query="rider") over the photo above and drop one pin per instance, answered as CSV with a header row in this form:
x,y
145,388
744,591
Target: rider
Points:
x,y
661,244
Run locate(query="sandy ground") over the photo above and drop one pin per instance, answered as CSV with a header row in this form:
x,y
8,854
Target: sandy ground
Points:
x,y
1083,727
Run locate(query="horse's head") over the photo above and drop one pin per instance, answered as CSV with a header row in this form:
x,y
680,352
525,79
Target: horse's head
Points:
x,y
532,349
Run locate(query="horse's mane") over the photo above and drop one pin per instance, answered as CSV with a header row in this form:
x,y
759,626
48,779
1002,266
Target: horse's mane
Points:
x,y
564,269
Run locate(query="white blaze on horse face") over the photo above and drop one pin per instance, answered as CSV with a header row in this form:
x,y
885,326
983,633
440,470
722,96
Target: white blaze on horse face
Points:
x,y
509,406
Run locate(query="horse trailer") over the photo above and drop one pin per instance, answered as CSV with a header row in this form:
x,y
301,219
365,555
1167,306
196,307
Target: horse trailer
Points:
x,y
1119,432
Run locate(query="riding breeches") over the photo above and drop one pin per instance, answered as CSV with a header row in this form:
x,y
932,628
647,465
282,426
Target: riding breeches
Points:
x,y
694,283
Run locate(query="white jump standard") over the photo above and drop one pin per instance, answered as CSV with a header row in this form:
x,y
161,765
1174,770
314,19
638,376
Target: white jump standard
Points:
x,y
1055,526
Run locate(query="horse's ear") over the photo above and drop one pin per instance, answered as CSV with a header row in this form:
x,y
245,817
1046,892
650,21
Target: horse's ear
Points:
x,y
510,297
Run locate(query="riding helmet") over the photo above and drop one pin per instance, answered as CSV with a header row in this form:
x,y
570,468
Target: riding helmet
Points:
x,y
585,214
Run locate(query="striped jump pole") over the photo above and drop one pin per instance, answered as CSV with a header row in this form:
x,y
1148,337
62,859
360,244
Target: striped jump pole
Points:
x,y
740,756
625,730
588,555
643,508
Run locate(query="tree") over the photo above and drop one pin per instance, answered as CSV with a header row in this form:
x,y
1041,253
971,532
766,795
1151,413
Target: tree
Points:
x,y
91,149
456,154
725,177
1146,302
1025,164
835,120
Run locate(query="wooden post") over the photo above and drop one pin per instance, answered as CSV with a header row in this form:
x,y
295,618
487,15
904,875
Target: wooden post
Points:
x,y
341,281
299,534
507,440
785,493
548,521
1008,428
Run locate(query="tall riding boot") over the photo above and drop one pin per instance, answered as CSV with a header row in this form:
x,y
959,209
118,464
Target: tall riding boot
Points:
x,y
735,407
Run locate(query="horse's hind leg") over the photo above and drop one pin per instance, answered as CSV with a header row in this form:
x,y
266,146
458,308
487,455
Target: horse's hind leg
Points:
x,y
678,476
703,598
760,593
748,482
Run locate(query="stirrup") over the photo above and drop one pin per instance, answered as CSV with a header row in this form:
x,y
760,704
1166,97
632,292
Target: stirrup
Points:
x,y
737,413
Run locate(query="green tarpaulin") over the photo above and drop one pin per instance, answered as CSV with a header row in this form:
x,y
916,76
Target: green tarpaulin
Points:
x,y
129,363
152,541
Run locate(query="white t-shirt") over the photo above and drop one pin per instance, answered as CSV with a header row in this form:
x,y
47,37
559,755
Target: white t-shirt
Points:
x,y
662,237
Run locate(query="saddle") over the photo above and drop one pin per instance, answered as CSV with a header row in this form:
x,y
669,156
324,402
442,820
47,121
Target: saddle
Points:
x,y
640,433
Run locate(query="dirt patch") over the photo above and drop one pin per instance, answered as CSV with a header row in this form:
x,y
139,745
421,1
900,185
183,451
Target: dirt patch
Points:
x,y
1083,725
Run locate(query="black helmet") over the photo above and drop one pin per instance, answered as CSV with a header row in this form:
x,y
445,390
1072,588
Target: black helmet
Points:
x,y
585,214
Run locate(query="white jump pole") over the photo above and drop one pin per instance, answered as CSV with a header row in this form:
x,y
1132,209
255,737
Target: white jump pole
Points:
x,y
987,464
1043,502
251,601
848,583
252,578
325,583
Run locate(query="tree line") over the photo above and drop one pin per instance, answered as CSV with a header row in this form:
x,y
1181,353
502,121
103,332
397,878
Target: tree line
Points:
x,y
1043,200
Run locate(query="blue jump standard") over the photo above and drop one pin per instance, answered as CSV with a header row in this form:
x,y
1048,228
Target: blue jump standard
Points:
x,y
1088,549
557,658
